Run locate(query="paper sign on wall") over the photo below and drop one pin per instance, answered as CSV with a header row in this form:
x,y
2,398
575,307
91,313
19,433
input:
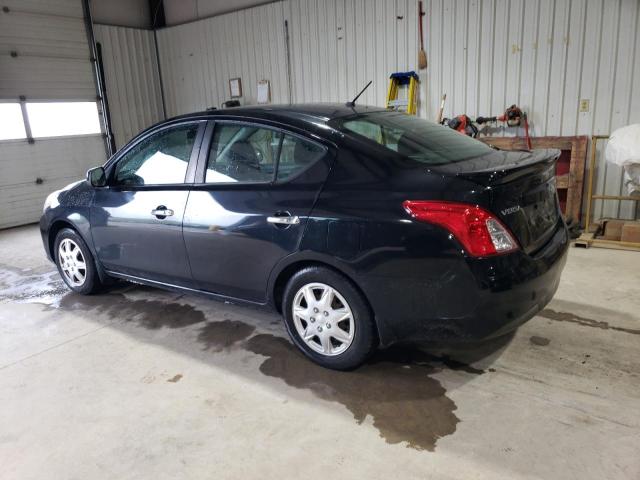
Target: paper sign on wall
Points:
x,y
264,94
235,87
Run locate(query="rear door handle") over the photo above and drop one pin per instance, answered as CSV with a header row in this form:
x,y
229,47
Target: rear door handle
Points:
x,y
162,211
285,220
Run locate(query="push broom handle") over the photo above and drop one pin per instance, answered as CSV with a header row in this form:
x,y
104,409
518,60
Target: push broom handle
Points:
x,y
421,14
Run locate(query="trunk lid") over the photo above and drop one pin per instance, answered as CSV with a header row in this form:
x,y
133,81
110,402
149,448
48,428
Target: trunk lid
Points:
x,y
522,188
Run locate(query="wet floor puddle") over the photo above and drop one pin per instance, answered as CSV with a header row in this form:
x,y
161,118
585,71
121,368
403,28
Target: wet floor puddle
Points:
x,y
25,285
395,389
539,341
554,315
403,401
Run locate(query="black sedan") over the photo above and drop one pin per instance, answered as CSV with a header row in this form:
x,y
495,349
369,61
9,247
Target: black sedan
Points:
x,y
363,226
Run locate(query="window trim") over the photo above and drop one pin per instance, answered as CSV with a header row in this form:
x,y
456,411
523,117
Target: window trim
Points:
x,y
203,160
112,163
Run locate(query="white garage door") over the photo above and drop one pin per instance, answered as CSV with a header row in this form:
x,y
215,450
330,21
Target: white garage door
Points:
x,y
44,58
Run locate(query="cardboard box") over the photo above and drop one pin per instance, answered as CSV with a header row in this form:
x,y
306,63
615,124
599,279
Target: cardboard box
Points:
x,y
631,232
613,229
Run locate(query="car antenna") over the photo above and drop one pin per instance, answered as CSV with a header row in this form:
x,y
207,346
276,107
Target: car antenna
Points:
x,y
352,103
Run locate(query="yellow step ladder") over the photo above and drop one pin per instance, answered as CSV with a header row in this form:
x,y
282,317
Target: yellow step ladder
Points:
x,y
403,81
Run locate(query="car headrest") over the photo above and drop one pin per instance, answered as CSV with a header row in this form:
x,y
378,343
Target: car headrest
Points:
x,y
243,152
301,153
405,146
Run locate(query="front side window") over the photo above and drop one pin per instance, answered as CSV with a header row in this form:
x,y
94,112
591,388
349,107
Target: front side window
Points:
x,y
242,153
413,137
161,158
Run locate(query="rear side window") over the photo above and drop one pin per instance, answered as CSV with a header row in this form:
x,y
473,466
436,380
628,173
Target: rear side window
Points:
x,y
413,137
241,153
161,158
297,154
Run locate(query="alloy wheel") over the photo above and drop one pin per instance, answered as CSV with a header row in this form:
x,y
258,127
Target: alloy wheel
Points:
x,y
323,319
72,262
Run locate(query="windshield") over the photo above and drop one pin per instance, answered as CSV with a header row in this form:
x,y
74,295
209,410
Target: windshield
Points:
x,y
413,137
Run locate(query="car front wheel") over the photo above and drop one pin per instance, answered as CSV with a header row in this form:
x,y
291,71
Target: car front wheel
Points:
x,y
328,319
75,263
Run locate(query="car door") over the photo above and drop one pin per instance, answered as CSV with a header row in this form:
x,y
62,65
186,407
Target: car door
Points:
x,y
136,221
256,186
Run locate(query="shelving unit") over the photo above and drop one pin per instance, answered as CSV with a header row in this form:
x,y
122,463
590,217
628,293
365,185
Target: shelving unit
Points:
x,y
569,171
589,238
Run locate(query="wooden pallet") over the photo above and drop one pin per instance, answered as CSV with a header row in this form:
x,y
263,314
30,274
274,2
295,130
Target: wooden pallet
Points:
x,y
587,240
570,182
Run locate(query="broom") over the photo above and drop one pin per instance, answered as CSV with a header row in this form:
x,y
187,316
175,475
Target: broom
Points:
x,y
422,55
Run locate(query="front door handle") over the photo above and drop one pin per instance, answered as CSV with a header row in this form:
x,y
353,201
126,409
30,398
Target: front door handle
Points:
x,y
284,220
162,212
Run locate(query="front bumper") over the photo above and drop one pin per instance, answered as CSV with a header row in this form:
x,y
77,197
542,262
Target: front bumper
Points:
x,y
44,233
468,299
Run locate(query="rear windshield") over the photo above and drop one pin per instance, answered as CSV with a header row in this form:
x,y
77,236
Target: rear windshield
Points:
x,y
413,137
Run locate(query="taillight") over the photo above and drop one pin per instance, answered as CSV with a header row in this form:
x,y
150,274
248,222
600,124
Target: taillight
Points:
x,y
479,232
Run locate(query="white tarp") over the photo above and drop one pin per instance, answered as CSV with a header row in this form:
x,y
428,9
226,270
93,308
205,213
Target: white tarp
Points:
x,y
623,149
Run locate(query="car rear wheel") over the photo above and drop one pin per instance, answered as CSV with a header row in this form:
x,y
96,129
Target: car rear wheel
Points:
x,y
328,319
75,263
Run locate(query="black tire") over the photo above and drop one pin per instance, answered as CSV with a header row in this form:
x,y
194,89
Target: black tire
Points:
x,y
92,283
365,338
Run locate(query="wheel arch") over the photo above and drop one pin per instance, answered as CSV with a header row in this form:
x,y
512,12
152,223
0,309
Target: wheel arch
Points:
x,y
55,228
285,272
62,223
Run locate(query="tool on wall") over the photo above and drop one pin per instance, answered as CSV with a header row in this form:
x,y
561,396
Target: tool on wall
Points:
x,y
287,46
513,116
441,109
526,131
422,55
462,124
407,81
230,103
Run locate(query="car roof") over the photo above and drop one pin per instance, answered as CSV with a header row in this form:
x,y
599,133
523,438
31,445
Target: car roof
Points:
x,y
303,112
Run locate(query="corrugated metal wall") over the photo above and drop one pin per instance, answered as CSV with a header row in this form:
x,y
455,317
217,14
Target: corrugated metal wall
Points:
x,y
132,80
51,62
198,59
544,55
337,46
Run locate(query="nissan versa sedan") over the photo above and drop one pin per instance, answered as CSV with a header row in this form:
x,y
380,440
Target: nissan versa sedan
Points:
x,y
362,226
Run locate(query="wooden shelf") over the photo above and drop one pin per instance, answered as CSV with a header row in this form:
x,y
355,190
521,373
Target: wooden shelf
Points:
x,y
570,184
562,181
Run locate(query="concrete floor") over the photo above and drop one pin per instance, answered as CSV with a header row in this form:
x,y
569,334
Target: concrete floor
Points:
x,y
141,383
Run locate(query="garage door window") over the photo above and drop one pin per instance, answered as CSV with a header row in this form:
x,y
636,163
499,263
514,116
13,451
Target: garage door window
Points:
x,y
11,123
57,119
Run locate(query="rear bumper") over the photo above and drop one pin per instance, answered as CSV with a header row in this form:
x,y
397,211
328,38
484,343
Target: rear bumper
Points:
x,y
465,299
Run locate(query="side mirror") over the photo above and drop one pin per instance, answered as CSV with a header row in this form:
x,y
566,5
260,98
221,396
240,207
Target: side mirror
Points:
x,y
97,177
